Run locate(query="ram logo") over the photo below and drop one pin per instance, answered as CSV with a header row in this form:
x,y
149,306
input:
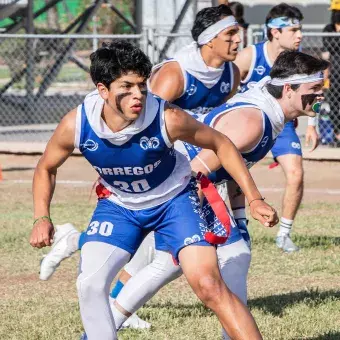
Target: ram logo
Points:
x,y
146,143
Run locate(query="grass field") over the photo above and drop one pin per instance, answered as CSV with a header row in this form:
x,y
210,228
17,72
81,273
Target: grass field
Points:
x,y
294,296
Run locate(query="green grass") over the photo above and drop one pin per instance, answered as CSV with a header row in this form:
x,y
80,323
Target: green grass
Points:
x,y
292,296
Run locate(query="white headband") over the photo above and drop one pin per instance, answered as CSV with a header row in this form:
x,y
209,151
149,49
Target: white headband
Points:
x,y
297,79
211,32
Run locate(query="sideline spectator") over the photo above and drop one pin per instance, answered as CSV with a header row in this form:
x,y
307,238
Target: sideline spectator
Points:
x,y
332,76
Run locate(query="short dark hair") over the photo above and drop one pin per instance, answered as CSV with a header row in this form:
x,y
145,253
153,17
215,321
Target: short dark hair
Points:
x,y
238,11
282,10
115,59
289,63
207,17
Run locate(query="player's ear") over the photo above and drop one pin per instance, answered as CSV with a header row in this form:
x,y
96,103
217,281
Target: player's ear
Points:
x,y
210,44
103,91
287,90
275,33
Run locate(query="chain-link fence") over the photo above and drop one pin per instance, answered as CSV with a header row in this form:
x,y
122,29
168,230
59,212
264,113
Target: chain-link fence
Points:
x,y
327,46
42,77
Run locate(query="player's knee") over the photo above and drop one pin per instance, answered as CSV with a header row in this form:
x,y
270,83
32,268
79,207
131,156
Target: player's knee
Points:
x,y
167,271
295,176
90,290
210,288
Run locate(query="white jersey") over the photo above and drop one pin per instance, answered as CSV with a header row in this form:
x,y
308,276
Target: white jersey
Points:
x,y
138,164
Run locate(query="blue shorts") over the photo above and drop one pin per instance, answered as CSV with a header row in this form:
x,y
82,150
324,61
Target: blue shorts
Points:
x,y
287,142
213,224
177,223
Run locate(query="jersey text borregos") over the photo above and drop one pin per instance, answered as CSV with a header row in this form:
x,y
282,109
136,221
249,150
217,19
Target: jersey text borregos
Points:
x,y
143,172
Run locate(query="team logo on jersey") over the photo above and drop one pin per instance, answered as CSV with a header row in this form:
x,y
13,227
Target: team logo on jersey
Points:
x,y
225,87
260,70
189,240
296,145
192,90
90,145
146,143
264,141
199,111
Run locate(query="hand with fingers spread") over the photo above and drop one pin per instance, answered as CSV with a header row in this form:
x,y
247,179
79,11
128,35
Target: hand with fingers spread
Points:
x,y
42,232
263,212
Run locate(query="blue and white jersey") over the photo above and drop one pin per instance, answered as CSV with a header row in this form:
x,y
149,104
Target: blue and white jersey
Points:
x,y
200,99
250,157
260,66
144,170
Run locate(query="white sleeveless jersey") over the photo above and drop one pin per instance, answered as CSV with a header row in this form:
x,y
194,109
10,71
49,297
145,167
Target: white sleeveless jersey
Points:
x,y
138,164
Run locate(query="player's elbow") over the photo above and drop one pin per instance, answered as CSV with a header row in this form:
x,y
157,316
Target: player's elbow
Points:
x,y
222,144
42,169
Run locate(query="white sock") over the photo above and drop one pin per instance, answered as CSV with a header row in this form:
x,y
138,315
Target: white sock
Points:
x,y
118,316
285,226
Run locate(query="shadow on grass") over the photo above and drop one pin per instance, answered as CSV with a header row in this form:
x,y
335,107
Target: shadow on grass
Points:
x,y
276,304
182,310
303,241
328,336
18,168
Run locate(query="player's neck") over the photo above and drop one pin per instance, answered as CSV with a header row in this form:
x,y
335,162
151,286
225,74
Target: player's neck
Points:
x,y
273,50
114,119
210,59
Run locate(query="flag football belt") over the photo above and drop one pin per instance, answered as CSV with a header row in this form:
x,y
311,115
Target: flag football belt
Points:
x,y
219,208
214,199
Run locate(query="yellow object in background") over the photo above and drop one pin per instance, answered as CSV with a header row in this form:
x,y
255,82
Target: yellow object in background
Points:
x,y
326,84
335,5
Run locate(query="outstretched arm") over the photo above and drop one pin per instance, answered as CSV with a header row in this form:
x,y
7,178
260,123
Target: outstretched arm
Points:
x,y
312,137
244,128
58,149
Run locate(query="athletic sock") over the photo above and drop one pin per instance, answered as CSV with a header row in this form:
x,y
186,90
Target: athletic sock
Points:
x,y
285,226
116,289
118,316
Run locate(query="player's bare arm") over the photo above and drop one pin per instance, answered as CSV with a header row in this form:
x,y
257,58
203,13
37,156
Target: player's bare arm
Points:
x,y
312,137
232,124
243,61
168,82
58,149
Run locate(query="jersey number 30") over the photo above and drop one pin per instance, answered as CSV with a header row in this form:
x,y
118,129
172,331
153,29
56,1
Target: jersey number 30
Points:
x,y
104,228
